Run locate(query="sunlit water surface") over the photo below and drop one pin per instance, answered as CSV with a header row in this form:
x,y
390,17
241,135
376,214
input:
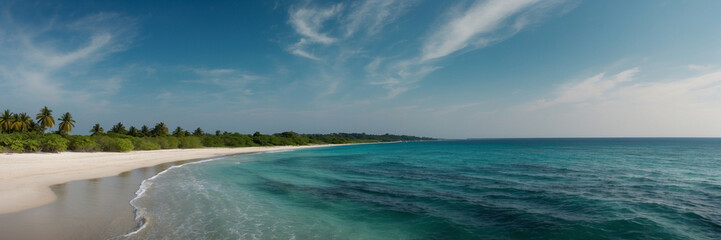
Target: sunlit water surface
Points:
x,y
488,189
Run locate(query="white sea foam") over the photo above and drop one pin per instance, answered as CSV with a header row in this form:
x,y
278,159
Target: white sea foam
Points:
x,y
144,186
140,213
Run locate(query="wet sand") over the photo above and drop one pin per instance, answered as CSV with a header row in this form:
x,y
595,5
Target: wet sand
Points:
x,y
97,207
85,209
25,178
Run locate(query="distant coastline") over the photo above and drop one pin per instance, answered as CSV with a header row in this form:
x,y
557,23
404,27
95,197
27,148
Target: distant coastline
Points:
x,y
20,133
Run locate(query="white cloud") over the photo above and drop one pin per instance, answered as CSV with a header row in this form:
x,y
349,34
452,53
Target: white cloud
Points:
x,y
373,15
229,79
50,58
481,18
214,72
624,105
303,53
400,77
317,25
39,63
700,67
486,22
309,22
483,23
591,88
108,86
372,67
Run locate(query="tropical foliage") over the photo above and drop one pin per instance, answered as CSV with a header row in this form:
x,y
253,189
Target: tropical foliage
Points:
x,y
22,122
45,118
97,130
7,121
19,133
66,123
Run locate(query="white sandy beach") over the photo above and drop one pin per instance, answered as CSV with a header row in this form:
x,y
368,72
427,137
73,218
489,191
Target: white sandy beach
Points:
x,y
25,178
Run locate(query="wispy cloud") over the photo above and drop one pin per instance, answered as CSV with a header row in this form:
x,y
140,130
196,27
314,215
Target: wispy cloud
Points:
x,y
317,24
483,23
373,15
232,80
628,105
474,26
309,22
698,67
40,63
300,52
398,77
454,108
591,88
332,34
328,33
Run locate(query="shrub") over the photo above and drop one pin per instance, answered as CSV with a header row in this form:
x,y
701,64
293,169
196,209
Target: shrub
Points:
x,y
238,140
145,144
167,142
20,142
53,143
213,141
104,142
263,140
124,145
83,143
190,142
110,144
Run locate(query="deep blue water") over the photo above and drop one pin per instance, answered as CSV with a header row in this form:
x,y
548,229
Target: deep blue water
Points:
x,y
472,189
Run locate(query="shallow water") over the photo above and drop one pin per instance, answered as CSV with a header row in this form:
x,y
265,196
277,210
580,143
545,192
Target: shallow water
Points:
x,y
489,189
86,209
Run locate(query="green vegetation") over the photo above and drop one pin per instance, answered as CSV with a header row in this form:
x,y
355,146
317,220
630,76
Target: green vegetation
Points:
x,y
19,133
83,144
66,123
45,118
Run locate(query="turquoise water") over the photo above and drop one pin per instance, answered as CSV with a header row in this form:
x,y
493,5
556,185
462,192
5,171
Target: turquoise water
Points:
x,y
473,189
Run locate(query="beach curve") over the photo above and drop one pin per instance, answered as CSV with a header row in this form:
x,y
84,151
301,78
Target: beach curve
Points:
x,y
25,178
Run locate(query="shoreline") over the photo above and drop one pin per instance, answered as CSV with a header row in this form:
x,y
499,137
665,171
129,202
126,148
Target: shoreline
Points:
x,y
26,178
142,188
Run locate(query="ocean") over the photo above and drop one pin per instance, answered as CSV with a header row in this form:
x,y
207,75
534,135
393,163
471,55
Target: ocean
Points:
x,y
628,188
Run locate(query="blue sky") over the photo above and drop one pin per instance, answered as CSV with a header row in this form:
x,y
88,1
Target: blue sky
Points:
x,y
450,69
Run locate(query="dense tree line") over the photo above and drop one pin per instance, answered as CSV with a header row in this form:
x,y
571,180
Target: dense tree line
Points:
x,y
19,133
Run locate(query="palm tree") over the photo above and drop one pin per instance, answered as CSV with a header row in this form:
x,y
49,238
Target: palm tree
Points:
x,y
45,118
132,131
145,131
22,122
6,121
96,130
179,132
119,129
34,127
160,130
198,132
66,123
